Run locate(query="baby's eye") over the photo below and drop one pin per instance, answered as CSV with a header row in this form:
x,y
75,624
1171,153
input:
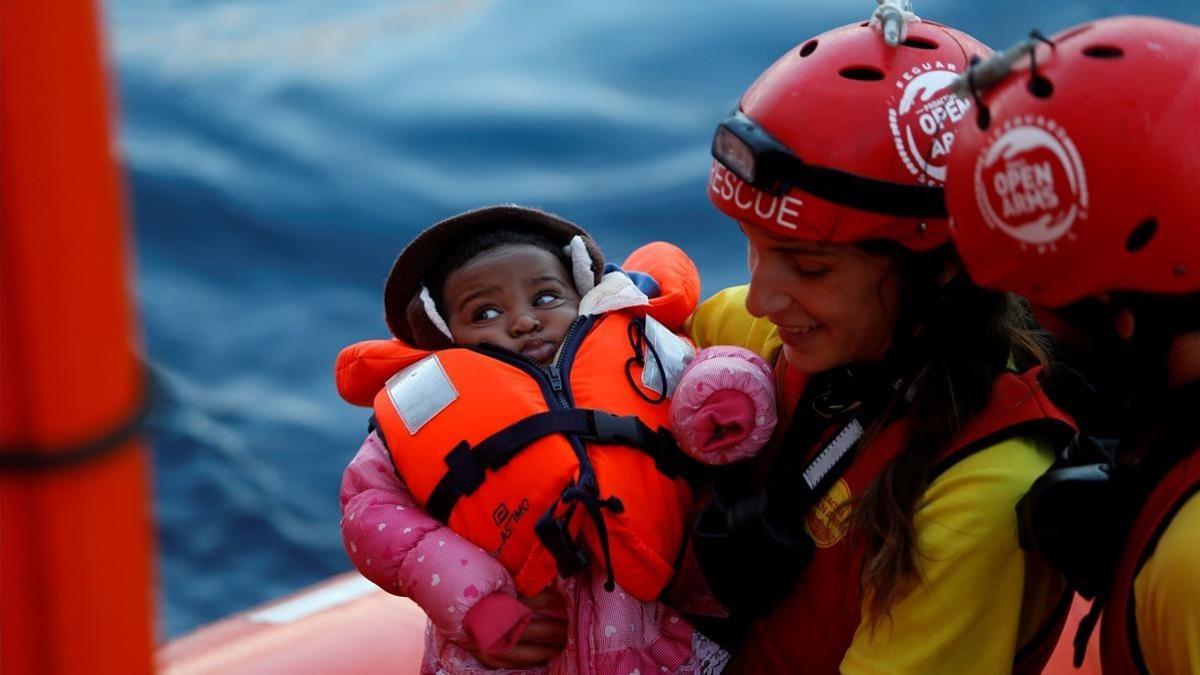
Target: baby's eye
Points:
x,y
485,314
545,298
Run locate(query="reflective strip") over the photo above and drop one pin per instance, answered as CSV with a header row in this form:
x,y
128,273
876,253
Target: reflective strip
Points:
x,y
420,392
829,457
675,353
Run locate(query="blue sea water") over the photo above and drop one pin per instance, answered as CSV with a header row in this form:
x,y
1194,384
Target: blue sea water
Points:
x,y
280,154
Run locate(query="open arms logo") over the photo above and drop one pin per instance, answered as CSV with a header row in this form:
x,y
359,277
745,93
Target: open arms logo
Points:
x,y
1030,183
922,116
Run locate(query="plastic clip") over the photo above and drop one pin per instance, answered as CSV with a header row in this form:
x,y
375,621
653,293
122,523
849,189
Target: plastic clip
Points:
x,y
616,429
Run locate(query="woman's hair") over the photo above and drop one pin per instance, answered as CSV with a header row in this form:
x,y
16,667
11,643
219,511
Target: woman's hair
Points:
x,y
469,249
961,337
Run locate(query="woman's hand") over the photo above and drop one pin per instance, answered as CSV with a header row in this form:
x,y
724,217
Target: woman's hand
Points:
x,y
543,639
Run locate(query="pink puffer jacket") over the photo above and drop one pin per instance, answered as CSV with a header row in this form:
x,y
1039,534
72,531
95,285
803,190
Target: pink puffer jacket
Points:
x,y
470,597
405,551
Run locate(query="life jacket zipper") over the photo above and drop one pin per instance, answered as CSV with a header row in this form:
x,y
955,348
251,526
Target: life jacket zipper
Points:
x,y
556,385
561,368
554,381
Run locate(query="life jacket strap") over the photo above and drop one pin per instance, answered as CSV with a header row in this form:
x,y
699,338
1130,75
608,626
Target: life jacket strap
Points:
x,y
588,495
468,465
554,533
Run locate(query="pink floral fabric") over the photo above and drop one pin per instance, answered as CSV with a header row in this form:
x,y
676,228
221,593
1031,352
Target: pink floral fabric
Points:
x,y
405,551
608,634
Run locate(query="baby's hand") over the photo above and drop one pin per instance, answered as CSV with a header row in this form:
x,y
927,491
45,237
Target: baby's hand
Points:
x,y
724,406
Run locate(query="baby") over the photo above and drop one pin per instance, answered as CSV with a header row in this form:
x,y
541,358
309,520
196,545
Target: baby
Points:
x,y
521,412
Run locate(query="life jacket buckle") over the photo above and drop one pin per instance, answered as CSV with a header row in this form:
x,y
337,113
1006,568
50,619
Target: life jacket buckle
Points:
x,y
617,429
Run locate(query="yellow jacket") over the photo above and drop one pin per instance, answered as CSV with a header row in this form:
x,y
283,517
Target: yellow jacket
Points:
x,y
979,598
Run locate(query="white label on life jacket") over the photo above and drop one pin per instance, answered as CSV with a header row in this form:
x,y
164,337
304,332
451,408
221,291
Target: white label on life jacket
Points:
x,y
674,353
420,392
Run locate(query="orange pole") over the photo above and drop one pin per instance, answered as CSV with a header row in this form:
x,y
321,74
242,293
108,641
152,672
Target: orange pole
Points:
x,y
75,542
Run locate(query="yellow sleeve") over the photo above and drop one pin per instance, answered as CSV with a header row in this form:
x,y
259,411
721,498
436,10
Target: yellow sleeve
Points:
x,y
964,615
723,320
1167,595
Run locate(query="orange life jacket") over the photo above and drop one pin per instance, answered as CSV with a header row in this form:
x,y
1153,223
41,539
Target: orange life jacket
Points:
x,y
812,628
1119,650
548,469
527,461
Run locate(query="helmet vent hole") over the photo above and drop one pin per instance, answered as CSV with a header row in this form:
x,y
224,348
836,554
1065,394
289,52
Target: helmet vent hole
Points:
x,y
808,48
920,43
1141,235
864,24
862,73
1041,87
1103,52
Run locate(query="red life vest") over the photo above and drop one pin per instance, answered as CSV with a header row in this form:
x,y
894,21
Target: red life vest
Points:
x,y
478,433
1119,650
812,628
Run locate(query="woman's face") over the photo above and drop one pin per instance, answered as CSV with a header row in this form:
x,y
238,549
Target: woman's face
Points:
x,y
833,304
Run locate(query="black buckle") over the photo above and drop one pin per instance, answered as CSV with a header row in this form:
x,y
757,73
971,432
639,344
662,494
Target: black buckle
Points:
x,y
554,535
616,429
465,470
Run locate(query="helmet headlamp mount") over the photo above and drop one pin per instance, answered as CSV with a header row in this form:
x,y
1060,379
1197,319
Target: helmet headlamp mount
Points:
x,y
741,145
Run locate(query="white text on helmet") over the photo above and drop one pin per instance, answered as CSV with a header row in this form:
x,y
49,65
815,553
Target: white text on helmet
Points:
x,y
726,186
1025,188
917,70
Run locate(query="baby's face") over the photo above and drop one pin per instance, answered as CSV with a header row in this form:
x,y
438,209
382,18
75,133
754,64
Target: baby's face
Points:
x,y
516,296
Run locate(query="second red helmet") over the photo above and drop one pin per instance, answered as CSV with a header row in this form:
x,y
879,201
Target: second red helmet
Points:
x,y
1086,178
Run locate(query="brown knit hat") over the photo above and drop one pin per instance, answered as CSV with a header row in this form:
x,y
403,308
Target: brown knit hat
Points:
x,y
406,312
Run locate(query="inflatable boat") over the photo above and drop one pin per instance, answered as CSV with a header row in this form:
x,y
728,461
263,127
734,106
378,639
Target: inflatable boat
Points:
x,y
348,626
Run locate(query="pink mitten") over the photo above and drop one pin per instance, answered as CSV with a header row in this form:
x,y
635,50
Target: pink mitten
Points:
x,y
724,406
497,622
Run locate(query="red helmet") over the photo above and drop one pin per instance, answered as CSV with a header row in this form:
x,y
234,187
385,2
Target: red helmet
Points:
x,y
1086,179
845,139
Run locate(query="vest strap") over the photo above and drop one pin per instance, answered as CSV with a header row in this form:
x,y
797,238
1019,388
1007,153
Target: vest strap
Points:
x,y
767,524
554,533
468,465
